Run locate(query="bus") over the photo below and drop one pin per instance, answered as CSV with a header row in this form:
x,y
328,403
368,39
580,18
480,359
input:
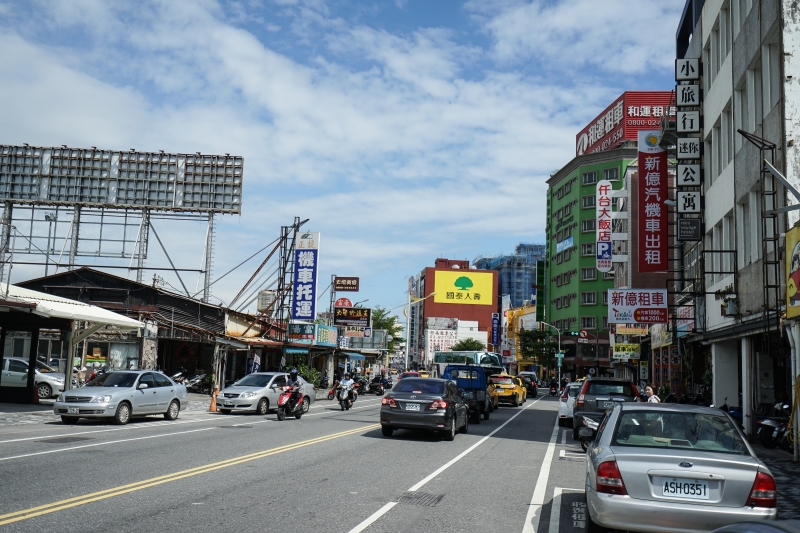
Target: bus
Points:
x,y
488,360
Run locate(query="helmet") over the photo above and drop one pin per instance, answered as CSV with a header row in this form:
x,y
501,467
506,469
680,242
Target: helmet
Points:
x,y
293,372
347,374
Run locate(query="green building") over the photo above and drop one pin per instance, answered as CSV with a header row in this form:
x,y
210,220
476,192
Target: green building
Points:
x,y
576,293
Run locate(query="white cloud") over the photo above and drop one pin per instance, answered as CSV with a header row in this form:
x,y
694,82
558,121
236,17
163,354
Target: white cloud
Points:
x,y
614,35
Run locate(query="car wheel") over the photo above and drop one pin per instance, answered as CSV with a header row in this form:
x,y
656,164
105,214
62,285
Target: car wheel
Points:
x,y
465,427
263,406
387,431
514,401
44,391
486,414
306,404
225,411
173,410
69,419
451,433
123,414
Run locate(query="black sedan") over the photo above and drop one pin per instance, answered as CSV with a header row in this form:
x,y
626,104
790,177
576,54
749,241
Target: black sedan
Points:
x,y
424,403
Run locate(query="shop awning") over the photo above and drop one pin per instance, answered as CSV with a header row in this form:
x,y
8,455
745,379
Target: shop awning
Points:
x,y
355,356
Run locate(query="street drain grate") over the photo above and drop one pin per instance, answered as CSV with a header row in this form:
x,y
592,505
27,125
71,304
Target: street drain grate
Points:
x,y
423,499
64,440
235,427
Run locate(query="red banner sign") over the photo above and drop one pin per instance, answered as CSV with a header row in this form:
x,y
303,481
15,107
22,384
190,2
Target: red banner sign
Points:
x,y
652,212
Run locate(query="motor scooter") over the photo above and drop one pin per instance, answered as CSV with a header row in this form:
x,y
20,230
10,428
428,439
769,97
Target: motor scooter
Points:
x,y
376,387
773,431
285,404
588,432
343,395
553,391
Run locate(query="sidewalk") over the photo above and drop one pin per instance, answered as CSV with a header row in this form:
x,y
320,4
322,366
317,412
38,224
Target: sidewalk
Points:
x,y
787,477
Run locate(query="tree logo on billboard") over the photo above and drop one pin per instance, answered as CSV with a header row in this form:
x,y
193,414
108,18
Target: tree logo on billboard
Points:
x,y
463,283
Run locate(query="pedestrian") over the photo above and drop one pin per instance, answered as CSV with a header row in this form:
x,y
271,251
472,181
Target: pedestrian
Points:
x,y
651,395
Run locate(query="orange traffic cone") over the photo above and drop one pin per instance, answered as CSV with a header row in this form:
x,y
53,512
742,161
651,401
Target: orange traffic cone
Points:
x,y
35,394
213,406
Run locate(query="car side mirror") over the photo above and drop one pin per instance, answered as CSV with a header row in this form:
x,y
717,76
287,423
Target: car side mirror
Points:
x,y
585,432
142,386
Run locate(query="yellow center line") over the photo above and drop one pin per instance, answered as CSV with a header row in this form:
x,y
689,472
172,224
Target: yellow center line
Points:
x,y
32,512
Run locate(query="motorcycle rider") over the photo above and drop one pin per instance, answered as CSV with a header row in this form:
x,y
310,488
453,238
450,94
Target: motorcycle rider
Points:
x,y
294,382
347,383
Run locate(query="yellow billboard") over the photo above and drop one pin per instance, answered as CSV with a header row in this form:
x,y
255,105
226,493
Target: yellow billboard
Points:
x,y
793,272
465,287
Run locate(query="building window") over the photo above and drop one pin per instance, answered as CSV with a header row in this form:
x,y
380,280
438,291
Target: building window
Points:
x,y
588,274
605,298
587,249
589,178
589,298
605,322
608,275
588,202
588,225
588,322
611,174
771,59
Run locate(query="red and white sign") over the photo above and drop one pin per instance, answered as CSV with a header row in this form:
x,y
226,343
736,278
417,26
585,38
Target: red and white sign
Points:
x,y
621,121
603,223
583,334
653,252
632,306
343,302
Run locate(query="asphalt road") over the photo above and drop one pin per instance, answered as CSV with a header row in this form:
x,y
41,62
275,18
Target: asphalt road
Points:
x,y
330,471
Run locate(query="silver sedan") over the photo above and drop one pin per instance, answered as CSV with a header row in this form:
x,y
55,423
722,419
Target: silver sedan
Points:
x,y
674,468
259,392
122,395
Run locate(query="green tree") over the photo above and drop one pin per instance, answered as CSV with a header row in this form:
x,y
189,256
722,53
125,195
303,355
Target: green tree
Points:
x,y
536,346
468,345
382,320
463,283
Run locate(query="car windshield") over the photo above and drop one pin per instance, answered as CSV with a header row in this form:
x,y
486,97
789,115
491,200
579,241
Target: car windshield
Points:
x,y
114,379
500,380
254,380
574,390
604,389
43,368
420,386
696,431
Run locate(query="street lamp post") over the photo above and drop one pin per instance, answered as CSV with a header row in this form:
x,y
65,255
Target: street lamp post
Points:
x,y
559,348
49,217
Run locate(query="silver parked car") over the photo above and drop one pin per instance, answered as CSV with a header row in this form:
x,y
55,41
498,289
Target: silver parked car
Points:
x,y
48,382
123,394
259,392
673,468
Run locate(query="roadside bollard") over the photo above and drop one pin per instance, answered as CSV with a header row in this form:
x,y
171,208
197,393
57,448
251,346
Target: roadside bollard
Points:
x,y
213,406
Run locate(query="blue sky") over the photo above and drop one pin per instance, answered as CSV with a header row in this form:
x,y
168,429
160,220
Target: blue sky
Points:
x,y
404,130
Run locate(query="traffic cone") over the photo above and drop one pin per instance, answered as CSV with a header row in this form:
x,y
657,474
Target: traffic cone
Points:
x,y
213,406
35,394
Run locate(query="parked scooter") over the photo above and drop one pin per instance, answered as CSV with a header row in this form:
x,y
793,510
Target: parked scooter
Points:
x,y
773,432
323,384
285,404
376,387
588,432
332,392
195,383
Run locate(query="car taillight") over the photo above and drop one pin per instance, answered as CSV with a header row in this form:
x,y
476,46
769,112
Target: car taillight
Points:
x,y
564,397
579,401
438,404
389,401
609,480
764,492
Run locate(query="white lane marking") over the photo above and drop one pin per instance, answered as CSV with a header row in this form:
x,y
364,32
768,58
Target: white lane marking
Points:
x,y
383,510
102,444
564,454
144,425
537,500
564,436
373,517
555,509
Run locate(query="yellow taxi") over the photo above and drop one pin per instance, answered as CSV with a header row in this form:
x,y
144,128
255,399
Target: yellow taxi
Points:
x,y
491,392
424,374
509,389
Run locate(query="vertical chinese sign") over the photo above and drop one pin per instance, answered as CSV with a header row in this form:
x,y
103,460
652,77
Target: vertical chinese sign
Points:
x,y
304,288
603,224
652,212
495,330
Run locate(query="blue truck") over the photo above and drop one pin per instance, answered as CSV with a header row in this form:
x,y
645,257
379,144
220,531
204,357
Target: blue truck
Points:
x,y
472,380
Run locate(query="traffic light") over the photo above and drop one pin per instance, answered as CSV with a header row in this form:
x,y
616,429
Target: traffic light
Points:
x,y
571,333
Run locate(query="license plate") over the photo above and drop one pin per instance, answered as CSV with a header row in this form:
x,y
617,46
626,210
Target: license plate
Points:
x,y
412,407
73,411
609,405
690,489
228,403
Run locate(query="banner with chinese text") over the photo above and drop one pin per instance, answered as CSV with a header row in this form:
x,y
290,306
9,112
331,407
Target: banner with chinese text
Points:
x,y
306,254
603,223
466,287
642,306
652,212
352,316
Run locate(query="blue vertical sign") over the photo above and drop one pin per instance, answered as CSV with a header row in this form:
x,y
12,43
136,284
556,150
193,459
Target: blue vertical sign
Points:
x,y
306,255
495,329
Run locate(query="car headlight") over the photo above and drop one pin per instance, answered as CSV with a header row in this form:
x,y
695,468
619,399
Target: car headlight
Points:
x,y
58,380
469,394
248,394
101,399
60,398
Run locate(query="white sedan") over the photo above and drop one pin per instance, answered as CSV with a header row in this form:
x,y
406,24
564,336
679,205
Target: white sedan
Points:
x,y
567,403
258,392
